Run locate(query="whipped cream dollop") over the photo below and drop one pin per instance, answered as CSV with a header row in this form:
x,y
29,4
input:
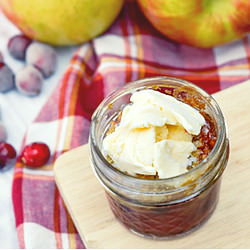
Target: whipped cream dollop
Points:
x,y
154,135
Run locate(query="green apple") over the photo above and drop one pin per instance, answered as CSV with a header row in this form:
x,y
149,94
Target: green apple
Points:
x,y
62,22
200,23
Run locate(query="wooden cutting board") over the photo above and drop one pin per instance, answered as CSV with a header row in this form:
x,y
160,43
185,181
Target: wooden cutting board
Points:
x,y
228,227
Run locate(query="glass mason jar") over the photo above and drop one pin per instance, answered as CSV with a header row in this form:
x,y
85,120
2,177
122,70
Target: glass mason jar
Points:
x,y
160,208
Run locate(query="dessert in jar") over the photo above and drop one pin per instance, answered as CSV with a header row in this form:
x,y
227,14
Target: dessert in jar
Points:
x,y
159,147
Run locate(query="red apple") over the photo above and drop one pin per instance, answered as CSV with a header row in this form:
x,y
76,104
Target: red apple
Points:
x,y
200,23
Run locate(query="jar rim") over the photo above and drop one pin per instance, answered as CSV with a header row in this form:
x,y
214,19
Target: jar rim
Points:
x,y
141,83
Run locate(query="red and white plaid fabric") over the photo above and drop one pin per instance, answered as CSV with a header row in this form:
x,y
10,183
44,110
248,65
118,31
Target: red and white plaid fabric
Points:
x,y
129,50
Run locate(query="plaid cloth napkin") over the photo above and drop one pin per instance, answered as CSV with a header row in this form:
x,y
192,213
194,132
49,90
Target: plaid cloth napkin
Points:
x,y
129,50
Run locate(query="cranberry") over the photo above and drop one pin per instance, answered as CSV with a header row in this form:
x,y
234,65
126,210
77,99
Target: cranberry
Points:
x,y
3,133
17,46
7,152
7,79
29,81
35,154
43,57
1,57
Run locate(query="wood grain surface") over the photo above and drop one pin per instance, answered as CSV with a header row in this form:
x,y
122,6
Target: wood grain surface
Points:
x,y
228,227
